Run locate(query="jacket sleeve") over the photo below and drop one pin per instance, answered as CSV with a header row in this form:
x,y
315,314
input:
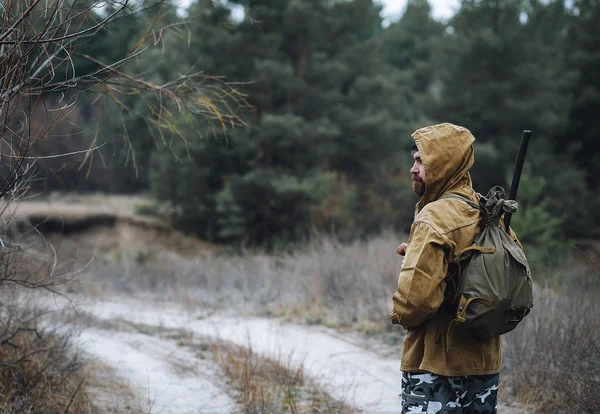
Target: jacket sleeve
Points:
x,y
421,282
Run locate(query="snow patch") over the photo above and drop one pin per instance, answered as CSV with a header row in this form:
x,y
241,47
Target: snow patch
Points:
x,y
347,371
166,378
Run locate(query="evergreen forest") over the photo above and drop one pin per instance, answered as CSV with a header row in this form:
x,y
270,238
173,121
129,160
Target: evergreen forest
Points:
x,y
313,105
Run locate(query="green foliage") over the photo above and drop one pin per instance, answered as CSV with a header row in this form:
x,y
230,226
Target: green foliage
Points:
x,y
413,54
334,97
497,81
584,126
325,104
262,207
337,208
147,210
180,178
537,228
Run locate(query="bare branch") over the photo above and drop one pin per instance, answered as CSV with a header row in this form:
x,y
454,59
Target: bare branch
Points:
x,y
19,21
77,35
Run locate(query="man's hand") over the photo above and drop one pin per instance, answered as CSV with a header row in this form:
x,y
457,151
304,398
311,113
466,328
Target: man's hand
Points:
x,y
394,318
401,250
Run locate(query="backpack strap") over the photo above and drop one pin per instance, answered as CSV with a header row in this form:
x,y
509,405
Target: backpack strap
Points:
x,y
461,315
480,249
475,206
457,197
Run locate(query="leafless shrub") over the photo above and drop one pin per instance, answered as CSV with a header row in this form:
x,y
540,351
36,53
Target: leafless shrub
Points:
x,y
553,359
37,49
39,372
39,368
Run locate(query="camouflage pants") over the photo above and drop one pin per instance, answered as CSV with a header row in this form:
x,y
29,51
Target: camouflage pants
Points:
x,y
430,394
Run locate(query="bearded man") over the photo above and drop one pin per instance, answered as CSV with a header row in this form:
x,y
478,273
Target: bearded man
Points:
x,y
436,378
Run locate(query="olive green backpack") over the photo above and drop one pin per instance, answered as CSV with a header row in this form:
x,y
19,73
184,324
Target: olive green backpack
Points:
x,y
494,291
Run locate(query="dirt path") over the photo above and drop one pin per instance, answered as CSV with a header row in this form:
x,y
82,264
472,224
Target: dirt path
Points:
x,y
343,368
168,378
163,377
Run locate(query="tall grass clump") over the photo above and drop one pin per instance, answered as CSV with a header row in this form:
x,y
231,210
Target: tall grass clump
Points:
x,y
553,359
40,369
267,385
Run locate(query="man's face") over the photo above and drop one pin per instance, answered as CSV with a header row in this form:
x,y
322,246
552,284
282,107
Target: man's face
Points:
x,y
418,175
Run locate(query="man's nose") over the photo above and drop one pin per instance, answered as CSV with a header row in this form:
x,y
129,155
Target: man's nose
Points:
x,y
414,169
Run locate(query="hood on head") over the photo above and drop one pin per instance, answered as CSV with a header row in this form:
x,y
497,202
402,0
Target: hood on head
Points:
x,y
447,154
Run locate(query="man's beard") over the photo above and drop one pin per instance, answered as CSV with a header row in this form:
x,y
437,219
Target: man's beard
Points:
x,y
418,187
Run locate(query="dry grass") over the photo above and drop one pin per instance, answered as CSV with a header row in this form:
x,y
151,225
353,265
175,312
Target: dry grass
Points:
x,y
328,282
108,393
39,369
272,386
553,360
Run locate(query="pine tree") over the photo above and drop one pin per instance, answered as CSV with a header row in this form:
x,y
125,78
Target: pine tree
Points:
x,y
323,101
411,42
495,83
584,56
503,70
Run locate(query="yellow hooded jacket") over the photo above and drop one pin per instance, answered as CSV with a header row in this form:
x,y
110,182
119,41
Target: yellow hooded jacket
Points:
x,y
441,229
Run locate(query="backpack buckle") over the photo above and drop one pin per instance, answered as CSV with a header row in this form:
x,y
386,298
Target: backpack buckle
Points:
x,y
515,317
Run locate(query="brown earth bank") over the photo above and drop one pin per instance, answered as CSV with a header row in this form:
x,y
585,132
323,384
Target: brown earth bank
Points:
x,y
103,220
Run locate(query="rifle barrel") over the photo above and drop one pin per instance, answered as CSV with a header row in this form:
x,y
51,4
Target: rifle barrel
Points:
x,y
517,175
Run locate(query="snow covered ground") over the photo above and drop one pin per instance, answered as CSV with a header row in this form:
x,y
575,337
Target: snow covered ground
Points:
x,y
344,369
165,377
